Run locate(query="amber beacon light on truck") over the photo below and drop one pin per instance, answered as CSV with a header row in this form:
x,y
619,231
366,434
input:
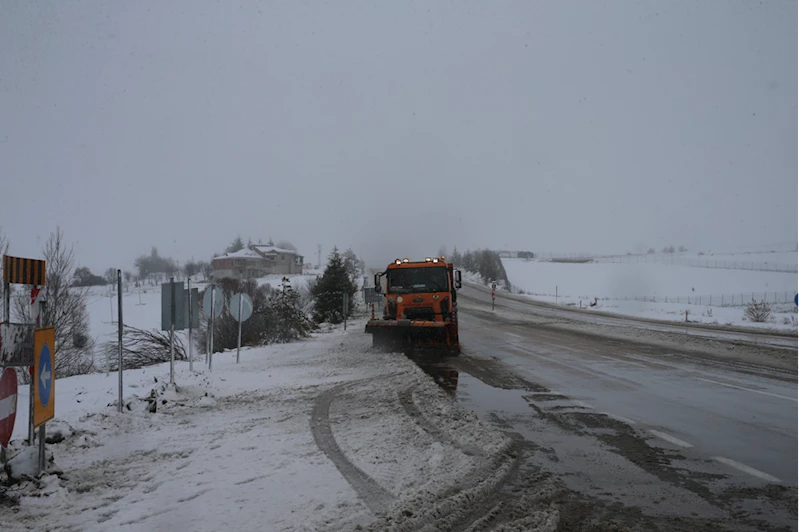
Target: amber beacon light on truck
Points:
x,y
420,306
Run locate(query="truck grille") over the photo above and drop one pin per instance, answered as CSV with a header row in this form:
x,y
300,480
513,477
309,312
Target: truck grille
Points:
x,y
421,313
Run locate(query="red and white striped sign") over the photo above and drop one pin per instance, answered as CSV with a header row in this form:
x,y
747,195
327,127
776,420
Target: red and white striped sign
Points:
x,y
8,405
36,295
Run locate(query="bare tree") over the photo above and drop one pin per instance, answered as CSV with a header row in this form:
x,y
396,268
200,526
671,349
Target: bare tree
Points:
x,y
66,309
4,245
110,276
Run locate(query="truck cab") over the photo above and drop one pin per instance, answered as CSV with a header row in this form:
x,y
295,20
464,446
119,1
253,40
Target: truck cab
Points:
x,y
420,305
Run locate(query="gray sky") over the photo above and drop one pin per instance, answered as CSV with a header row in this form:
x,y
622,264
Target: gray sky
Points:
x,y
394,127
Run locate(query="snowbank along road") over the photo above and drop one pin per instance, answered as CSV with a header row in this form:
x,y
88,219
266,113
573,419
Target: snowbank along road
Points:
x,y
516,304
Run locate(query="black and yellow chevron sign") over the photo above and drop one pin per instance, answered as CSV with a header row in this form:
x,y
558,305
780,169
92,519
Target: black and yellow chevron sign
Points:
x,y
17,270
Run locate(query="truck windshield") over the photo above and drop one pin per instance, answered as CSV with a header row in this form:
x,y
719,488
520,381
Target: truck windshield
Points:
x,y
409,280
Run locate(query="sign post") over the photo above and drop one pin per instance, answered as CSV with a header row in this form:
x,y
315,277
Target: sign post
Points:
x,y
119,335
44,384
172,331
345,308
241,310
212,308
188,282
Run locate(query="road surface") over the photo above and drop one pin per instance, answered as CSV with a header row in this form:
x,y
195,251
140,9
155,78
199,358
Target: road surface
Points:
x,y
644,435
702,331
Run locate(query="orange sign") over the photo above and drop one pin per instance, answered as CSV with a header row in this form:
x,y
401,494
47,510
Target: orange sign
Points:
x,y
44,376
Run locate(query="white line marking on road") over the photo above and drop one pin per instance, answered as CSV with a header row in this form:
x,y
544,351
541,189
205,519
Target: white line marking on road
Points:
x,y
567,348
619,418
623,360
583,404
671,439
794,399
746,469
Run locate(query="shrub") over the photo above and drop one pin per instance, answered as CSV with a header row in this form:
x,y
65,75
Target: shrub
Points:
x,y
758,312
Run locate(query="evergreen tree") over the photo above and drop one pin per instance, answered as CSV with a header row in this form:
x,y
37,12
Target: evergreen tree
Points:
x,y
328,292
456,256
291,323
236,245
468,262
353,264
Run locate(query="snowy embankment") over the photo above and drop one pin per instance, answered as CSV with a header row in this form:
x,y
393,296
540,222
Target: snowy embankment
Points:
x,y
323,434
659,291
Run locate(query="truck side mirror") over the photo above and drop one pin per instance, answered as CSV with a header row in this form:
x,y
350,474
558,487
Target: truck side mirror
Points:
x,y
458,283
378,288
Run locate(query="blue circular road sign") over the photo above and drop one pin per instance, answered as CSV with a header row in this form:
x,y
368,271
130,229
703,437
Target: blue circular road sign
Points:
x,y
45,375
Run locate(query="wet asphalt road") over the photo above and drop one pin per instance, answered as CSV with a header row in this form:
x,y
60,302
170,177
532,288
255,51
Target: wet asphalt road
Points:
x,y
644,436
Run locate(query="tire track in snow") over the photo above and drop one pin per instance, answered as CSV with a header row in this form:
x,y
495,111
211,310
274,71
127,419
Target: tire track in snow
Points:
x,y
376,498
407,402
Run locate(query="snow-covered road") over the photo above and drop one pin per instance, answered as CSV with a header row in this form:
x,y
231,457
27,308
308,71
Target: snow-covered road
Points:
x,y
320,435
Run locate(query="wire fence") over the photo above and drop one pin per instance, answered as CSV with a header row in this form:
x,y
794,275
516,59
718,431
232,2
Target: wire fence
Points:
x,y
718,300
703,263
654,258
715,300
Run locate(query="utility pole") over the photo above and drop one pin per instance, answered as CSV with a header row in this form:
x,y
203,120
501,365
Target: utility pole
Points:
x,y
191,366
119,336
318,256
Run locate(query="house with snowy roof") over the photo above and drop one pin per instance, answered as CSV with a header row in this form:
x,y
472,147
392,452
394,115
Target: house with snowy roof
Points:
x,y
256,261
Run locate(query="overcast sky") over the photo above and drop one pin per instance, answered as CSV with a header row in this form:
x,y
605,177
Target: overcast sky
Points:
x,y
395,127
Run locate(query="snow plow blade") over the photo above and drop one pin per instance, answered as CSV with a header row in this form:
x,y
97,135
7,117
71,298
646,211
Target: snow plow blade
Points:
x,y
414,335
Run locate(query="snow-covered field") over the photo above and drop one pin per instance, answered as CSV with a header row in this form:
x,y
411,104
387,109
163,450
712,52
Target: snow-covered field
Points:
x,y
660,291
323,434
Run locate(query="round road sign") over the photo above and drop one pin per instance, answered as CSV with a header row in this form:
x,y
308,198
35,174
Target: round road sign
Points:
x,y
219,302
246,307
8,405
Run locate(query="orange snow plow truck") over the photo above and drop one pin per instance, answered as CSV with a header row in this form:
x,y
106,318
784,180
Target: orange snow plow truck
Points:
x,y
421,310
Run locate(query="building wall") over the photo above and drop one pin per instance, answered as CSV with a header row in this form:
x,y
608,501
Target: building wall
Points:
x,y
248,268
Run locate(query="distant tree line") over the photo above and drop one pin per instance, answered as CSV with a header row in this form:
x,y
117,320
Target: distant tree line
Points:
x,y
484,262
667,249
